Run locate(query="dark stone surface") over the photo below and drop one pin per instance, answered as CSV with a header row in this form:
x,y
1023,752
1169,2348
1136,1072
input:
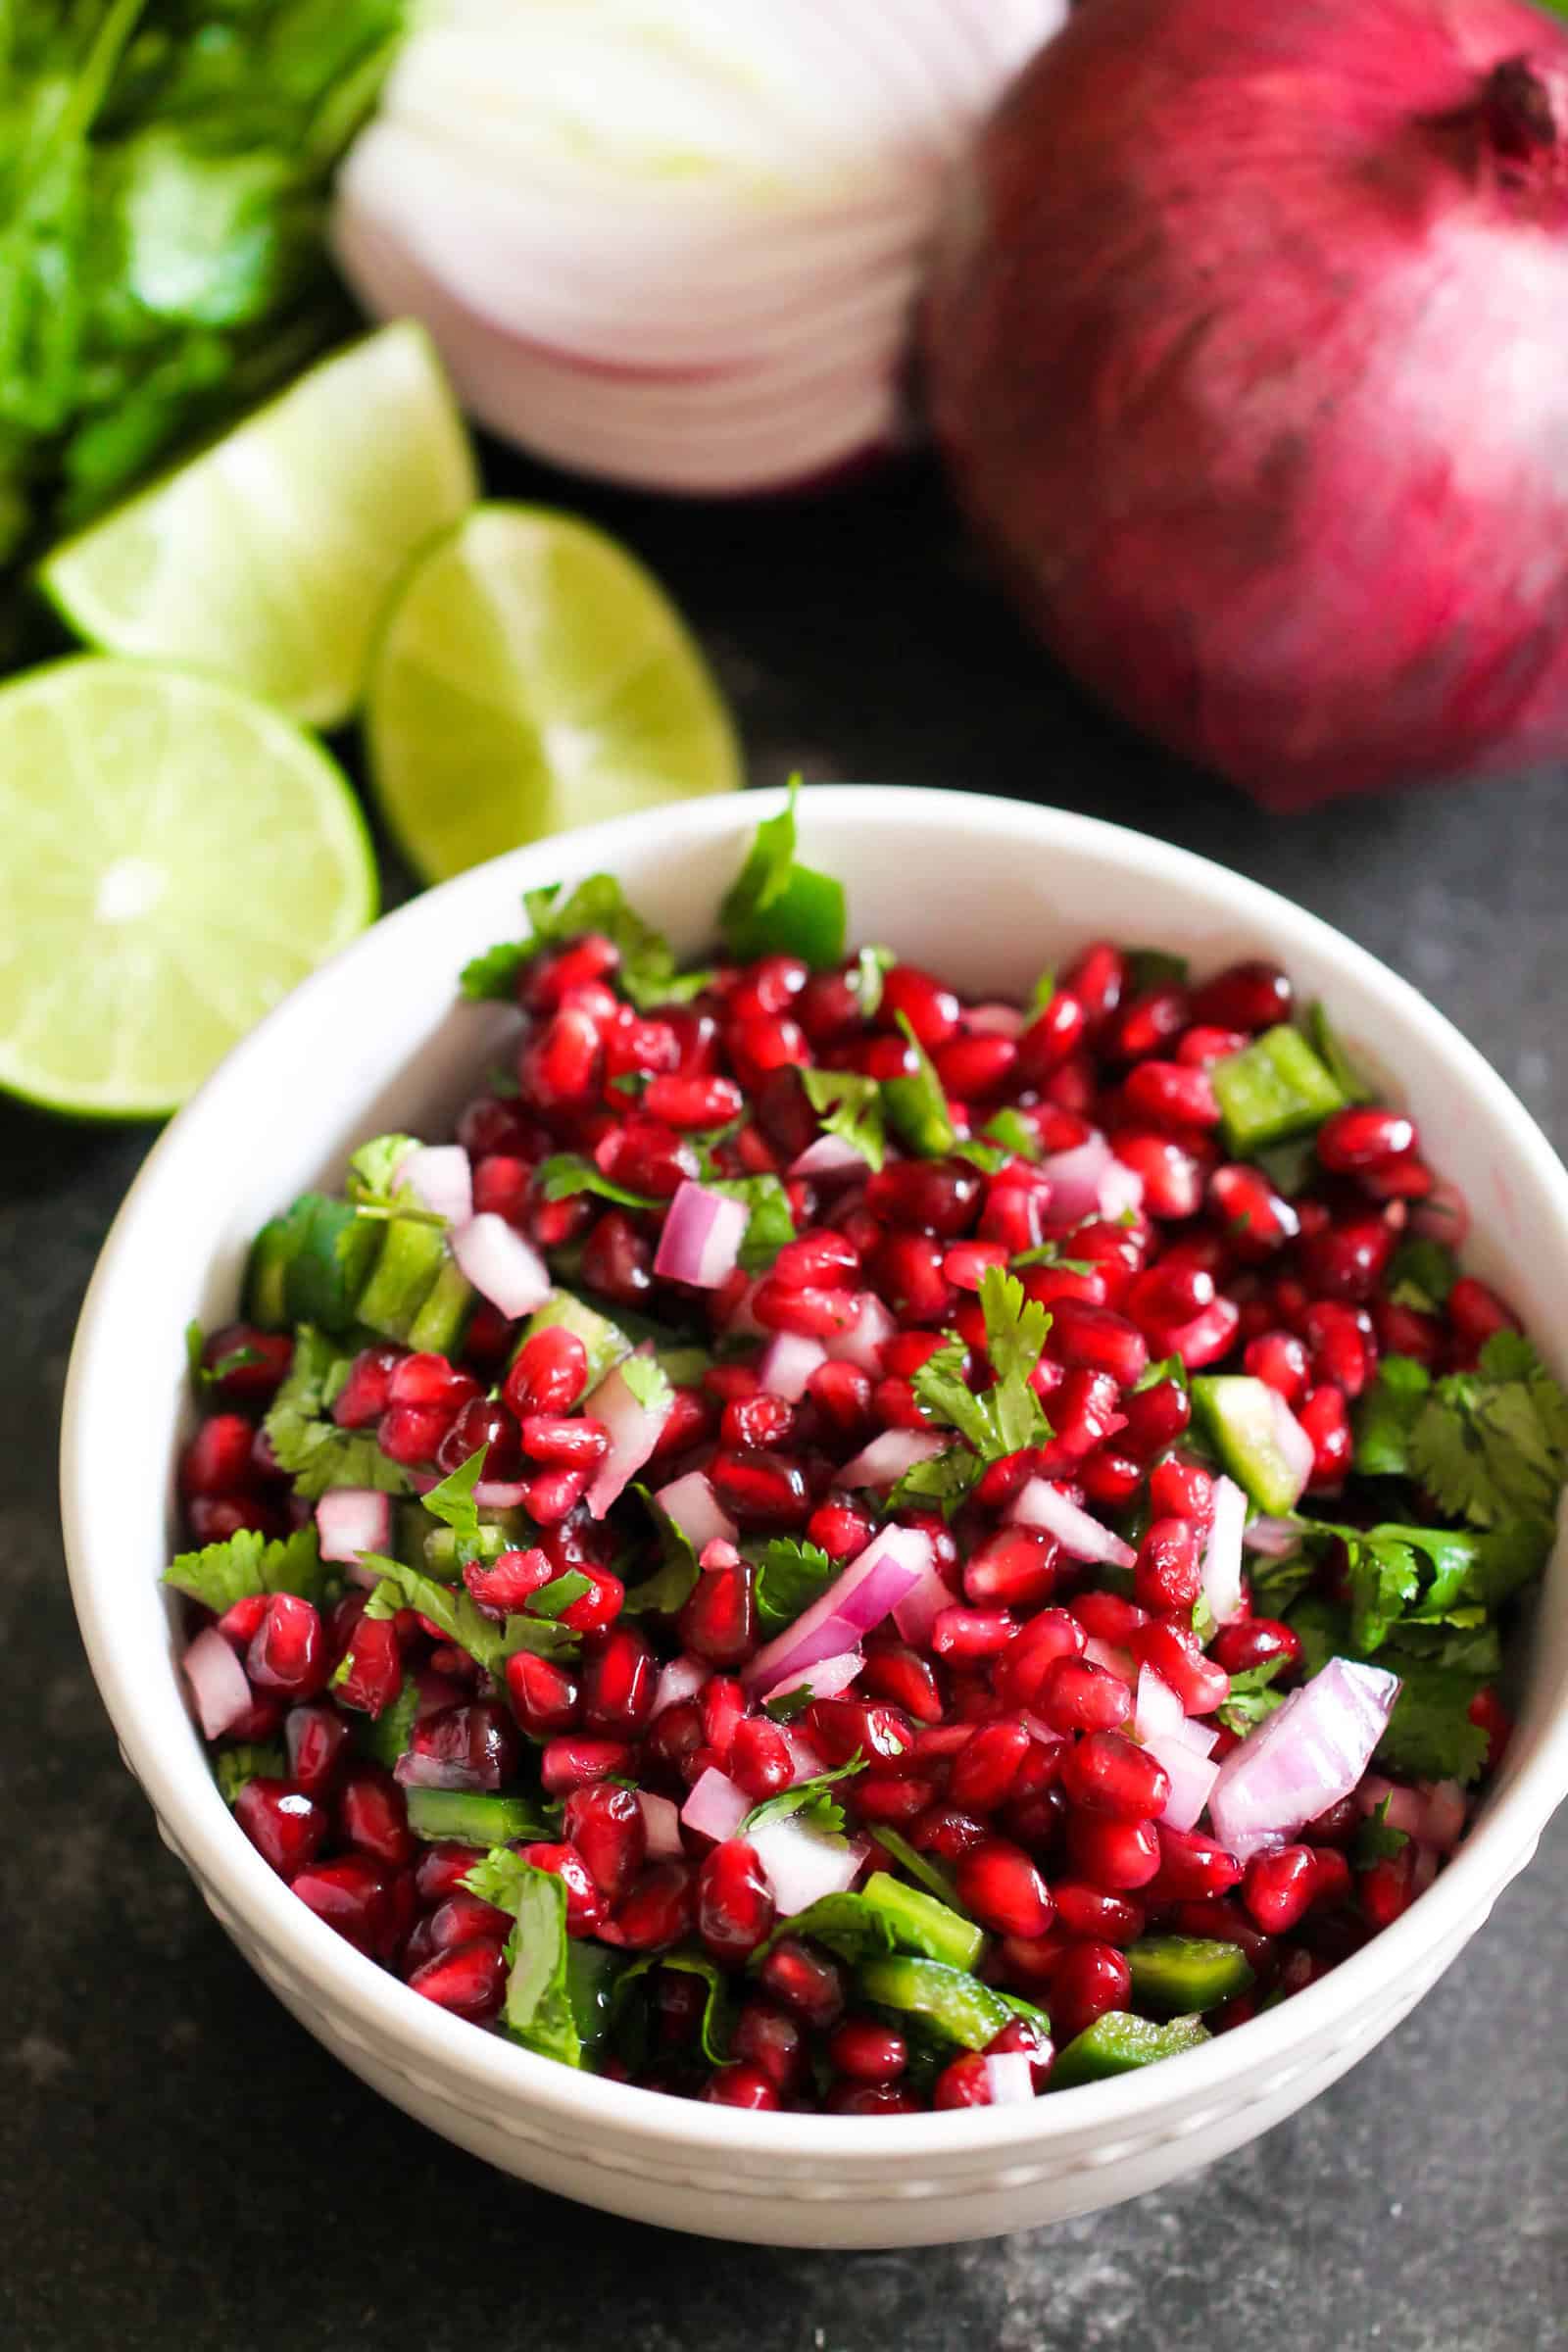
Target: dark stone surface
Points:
x,y
184,2166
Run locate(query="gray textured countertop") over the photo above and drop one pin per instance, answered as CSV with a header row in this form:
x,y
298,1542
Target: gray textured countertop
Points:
x,y
184,2167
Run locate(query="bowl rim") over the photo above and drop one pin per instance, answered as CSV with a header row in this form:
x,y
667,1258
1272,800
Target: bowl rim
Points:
x,y
1232,2069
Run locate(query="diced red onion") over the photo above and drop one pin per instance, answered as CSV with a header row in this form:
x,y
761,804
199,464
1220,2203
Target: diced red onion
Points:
x,y
701,1241
1075,1178
1442,1216
1010,2079
349,1520
715,1806
633,1434
690,1505
826,1679
1406,1811
500,1494
1202,1738
856,1601
661,1820
1292,1443
414,1770
500,1266
441,1177
1110,1658
805,1761
800,1865
1039,1504
923,1604
680,1680
1191,1779
1222,1555
993,1020
1121,1191
1446,1811
1424,1869
865,1338
218,1683
829,1156
1272,1539
1305,1757
787,1364
718,1553
885,1460
1157,1708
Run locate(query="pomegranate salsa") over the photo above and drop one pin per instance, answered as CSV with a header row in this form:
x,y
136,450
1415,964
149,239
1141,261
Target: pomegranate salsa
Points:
x,y
842,1547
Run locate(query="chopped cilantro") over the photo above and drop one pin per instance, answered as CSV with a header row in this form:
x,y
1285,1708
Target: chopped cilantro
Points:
x,y
1430,1734
648,1383
645,973
461,1621
669,1588
384,1736
1006,1417
1154,1376
553,1601
1387,1414
372,1172
1375,1841
237,1767
248,1563
1421,1275
308,1442
790,1576
946,1479
453,1503
713,2032
810,1800
1492,1444
769,1224
567,1173
789,1703
850,1105
1250,1698
1049,1254
776,907
1014,1133
917,1105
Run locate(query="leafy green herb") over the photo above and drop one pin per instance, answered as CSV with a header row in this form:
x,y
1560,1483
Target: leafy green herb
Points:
x,y
1290,1166
916,1106
850,1105
567,1173
849,1926
450,1607
1492,1444
1375,1841
648,1383
717,2023
810,1800
1154,1376
237,1767
769,1224
1049,1254
645,973
1422,1274
1013,1132
945,1480
785,1707
453,1503
1006,1417
248,1563
1387,1415
553,1600
1250,1697
1429,1735
1155,967
538,2010
776,907
789,1577
1330,1052
919,1867
865,983
165,173
204,1376
308,1442
1431,1575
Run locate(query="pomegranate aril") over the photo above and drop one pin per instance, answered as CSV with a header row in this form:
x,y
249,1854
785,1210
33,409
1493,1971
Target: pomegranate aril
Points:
x,y
464,1919
1386,1889
1179,1490
905,1679
592,1611
840,1529
376,1669
1169,1571
1172,1092
619,1682
740,2086
693,1102
1475,1312
864,2050
999,1886
585,1904
373,1816
568,1763
1323,1416
986,1767
352,1894
717,1622
218,1459
549,1375
315,1737
604,1824
839,1727
544,1696
804,1981
1105,1773
1075,1695
245,1365
1355,1139
734,1901
965,1635
284,1825
769,2038
660,1908
1252,1642
1192,1867
1087,1980
760,1761
367,1390
1152,1419
468,1981
1253,995
933,1196
1174,1652
1279,1886
1016,1568
410,1434
1116,1855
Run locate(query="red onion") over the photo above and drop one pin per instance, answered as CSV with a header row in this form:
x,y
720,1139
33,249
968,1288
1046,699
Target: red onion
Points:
x,y
826,1679
633,1434
1112,1657
500,1266
1272,1539
1406,1807
700,1244
865,1338
349,1520
501,1493
802,1866
1121,1191
1010,2079
1041,1504
218,1683
923,1604
680,1680
1157,1708
441,1177
1075,1178
1303,1758
1444,1818
690,1505
1245,349
1191,1779
885,1460
787,1364
829,1156
1222,1555
715,1807
856,1601
661,1820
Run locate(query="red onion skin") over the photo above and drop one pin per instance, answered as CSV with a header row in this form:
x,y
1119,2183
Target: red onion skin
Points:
x,y
1245,349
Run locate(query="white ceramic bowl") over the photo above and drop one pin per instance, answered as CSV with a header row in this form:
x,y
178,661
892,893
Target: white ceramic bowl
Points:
x,y
984,891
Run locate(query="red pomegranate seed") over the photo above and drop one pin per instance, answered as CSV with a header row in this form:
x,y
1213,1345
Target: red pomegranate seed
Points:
x,y
1107,1774
740,2086
1322,1415
717,1622
1174,1652
660,1908
1180,1489
1088,1914
1258,1219
840,1529
500,1188
373,1818
464,1919
353,1895
723,1706
410,1434
987,1766
1386,1888
470,1981
804,1981
1489,1714
769,2038
1016,1568
1075,1695
842,1395
1279,1886
905,1680
585,1904
1117,1855
759,1759
1053,1037
619,1682
1278,1358
1000,1885
1173,1091
965,1635
549,1375
1331,1878
864,2050
441,1870
840,1727
1099,1339
1087,1980
366,1393
930,1007
935,1196
254,1363
315,1737
284,1825
1248,995
376,1668
1192,1867
1153,1418
1252,1640
544,1694
734,1901
693,1102
597,1608
1352,1140
218,1459
568,1763
604,1824
1169,1570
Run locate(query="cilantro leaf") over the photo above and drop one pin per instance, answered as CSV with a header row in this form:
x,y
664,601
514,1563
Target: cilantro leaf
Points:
x,y
453,1503
1042,993
1252,1698
647,1383
646,972
850,1105
1387,1414
919,1867
567,1173
717,2023
1015,1325
671,1586
1429,1735
943,1393
1155,967
787,1704
538,2010
1006,1417
553,1601
790,1576
777,906
308,1442
1330,1051
459,1619
917,1105
384,1736
237,1767
1422,1274
1014,1133
810,1800
1154,1376
1382,1578
248,1563
1049,1254
493,976
945,1480
1375,1841
1492,1444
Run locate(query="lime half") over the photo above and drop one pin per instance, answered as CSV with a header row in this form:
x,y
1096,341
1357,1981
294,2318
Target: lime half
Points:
x,y
269,559
176,858
533,676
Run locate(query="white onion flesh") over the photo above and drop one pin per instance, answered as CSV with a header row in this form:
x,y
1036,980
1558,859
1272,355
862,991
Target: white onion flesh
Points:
x,y
349,1520
500,1266
1222,1555
715,1807
218,1683
690,1505
1039,1504
800,1865
441,1178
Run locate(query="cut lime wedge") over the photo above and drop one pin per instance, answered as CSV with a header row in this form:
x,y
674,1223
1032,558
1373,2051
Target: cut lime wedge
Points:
x,y
533,676
269,559
178,856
